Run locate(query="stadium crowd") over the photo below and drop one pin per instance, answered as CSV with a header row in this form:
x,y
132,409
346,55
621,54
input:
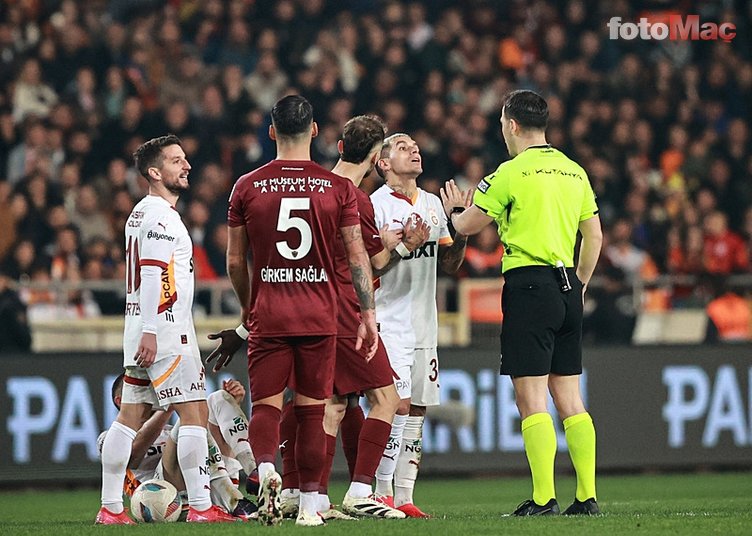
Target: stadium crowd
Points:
x,y
663,128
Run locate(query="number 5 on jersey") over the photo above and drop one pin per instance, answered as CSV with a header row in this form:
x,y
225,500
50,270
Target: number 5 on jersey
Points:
x,y
286,221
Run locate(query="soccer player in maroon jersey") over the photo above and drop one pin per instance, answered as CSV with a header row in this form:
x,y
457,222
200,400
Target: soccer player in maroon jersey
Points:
x,y
290,213
363,443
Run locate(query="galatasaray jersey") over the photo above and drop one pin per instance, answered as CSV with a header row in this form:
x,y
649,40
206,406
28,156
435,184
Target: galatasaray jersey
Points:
x,y
156,236
292,211
406,295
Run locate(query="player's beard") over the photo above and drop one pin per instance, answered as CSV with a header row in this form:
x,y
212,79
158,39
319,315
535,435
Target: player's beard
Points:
x,y
176,187
369,170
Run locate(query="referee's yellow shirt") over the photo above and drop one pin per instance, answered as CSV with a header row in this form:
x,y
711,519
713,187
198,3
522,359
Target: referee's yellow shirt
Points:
x,y
538,200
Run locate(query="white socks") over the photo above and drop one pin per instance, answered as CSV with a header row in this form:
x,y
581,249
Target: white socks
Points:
x,y
193,452
388,463
309,502
223,492
359,490
292,494
408,461
116,451
264,469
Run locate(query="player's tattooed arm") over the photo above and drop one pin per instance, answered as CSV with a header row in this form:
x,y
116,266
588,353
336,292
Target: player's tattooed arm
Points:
x,y
360,266
451,257
362,276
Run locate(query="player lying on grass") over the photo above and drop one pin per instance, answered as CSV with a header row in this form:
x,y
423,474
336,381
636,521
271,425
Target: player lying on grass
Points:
x,y
154,453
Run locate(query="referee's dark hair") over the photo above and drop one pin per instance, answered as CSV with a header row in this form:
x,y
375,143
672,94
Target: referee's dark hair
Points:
x,y
292,116
527,108
149,154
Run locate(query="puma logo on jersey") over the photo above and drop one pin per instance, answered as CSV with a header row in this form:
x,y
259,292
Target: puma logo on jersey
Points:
x,y
283,444
162,225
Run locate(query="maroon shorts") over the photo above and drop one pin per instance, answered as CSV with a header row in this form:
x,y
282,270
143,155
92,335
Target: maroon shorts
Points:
x,y
353,374
305,364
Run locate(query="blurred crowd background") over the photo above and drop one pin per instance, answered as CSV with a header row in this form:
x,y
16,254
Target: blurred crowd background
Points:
x,y
663,128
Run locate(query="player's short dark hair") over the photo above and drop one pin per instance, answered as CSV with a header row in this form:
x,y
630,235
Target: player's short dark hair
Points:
x,y
292,116
117,384
360,135
149,154
527,108
385,148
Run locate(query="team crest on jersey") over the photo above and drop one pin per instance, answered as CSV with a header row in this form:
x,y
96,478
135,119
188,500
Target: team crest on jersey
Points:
x,y
433,216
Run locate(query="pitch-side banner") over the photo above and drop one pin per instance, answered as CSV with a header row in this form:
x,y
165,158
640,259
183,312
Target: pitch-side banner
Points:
x,y
662,407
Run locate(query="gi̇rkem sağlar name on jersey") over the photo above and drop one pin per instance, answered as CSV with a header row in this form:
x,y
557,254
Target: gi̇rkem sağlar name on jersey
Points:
x,y
311,274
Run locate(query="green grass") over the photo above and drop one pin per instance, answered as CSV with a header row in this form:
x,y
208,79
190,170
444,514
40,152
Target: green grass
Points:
x,y
646,504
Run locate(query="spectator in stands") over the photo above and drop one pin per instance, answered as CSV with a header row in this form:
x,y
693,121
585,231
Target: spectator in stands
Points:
x,y
23,261
32,96
66,262
114,93
15,335
88,216
623,254
185,81
725,252
730,316
611,312
267,81
7,220
23,158
483,254
216,248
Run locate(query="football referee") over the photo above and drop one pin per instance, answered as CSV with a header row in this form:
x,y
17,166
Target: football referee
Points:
x,y
540,199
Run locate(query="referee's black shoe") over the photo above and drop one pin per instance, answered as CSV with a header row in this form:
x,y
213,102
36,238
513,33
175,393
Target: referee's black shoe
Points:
x,y
587,507
530,508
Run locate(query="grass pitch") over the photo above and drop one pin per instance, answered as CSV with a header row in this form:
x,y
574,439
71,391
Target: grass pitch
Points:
x,y
646,504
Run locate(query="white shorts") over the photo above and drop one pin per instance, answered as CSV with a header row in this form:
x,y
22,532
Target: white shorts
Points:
x,y
425,377
171,380
417,372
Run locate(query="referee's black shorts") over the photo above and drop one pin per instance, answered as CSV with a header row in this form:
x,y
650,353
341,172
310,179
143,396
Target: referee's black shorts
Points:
x,y
541,331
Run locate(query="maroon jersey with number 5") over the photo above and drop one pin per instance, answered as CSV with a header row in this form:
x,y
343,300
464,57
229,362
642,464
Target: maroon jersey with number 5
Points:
x,y
292,211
